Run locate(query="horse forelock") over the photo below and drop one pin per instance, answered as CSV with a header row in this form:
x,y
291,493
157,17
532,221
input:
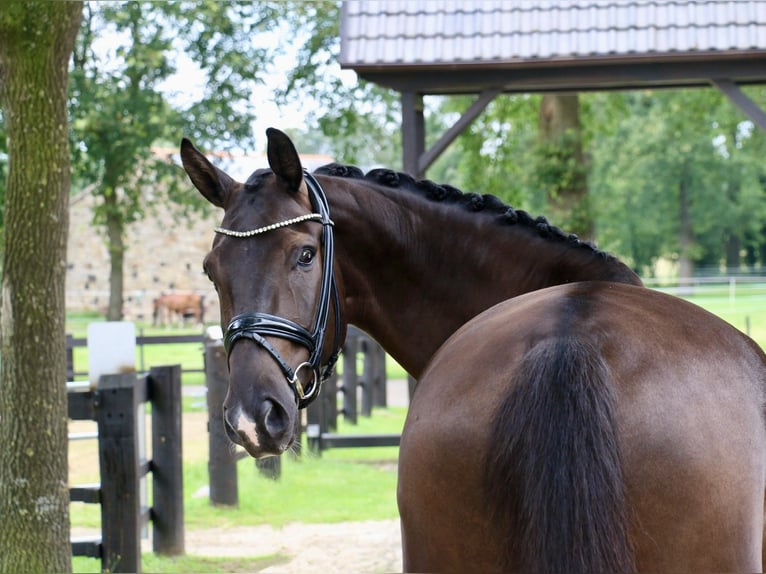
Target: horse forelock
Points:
x,y
473,202
256,178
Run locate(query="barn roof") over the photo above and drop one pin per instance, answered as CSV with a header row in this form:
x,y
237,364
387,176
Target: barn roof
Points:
x,y
449,46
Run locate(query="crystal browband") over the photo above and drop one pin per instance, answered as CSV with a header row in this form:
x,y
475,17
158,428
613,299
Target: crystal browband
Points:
x,y
272,227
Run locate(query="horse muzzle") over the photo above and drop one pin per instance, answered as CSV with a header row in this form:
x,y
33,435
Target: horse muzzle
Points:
x,y
268,430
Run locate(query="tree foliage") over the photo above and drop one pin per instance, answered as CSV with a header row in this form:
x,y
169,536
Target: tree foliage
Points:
x,y
644,151
121,109
686,151
359,120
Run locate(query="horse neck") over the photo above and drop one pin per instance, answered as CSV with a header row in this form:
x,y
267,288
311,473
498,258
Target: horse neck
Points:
x,y
414,270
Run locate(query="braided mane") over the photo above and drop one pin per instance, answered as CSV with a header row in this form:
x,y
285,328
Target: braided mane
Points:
x,y
469,201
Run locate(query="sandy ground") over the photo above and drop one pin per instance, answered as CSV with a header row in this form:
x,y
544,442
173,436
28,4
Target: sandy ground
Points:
x,y
347,547
358,547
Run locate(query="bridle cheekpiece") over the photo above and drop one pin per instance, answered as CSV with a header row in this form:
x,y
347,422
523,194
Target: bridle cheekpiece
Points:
x,y
257,326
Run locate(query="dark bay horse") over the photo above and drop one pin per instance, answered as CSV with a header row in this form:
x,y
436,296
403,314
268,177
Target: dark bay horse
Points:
x,y
583,424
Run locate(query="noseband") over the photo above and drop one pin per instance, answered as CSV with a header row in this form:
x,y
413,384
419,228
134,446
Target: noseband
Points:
x,y
257,326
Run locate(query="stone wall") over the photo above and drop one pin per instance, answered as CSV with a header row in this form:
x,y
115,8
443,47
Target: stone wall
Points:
x,y
163,256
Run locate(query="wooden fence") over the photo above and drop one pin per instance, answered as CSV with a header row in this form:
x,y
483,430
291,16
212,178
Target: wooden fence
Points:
x,y
114,405
361,390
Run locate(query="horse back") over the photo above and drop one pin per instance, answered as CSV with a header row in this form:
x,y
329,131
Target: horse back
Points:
x,y
669,399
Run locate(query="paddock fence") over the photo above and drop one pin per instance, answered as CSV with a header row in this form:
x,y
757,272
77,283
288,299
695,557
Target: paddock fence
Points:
x,y
361,387
116,404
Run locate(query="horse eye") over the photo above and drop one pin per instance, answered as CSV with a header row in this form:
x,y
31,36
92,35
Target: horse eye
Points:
x,y
307,256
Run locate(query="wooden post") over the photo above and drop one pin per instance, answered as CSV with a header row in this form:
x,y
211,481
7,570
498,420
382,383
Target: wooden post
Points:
x,y
69,357
368,376
222,462
380,390
270,467
167,460
350,379
119,466
413,133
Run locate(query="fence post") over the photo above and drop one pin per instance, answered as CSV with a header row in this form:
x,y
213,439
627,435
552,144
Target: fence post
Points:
x,y
368,375
167,460
222,462
350,379
119,466
380,390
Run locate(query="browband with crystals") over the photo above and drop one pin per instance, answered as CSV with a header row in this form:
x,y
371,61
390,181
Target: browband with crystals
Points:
x,y
272,227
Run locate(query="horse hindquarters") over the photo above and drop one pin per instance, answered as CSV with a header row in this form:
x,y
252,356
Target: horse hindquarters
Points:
x,y
534,485
553,473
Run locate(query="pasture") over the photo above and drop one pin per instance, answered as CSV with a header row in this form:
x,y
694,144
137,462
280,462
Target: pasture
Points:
x,y
310,489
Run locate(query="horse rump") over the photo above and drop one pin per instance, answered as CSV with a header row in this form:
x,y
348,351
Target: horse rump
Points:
x,y
553,475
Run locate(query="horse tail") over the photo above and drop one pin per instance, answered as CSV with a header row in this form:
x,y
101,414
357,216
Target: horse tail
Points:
x,y
553,476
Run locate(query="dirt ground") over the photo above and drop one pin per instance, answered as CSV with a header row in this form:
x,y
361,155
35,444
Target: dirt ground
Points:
x,y
359,547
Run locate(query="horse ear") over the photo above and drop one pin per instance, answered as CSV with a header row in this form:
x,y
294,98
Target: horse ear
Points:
x,y
213,183
283,158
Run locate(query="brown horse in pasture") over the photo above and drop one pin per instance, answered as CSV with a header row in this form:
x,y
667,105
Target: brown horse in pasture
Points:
x,y
177,307
566,418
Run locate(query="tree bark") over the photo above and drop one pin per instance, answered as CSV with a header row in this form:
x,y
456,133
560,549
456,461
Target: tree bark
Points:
x,y
36,40
686,240
560,130
116,245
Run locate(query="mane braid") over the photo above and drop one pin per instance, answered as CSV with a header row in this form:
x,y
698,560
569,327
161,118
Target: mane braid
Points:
x,y
445,193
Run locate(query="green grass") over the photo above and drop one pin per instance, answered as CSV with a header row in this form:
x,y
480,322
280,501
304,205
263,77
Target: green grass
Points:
x,y
746,310
339,485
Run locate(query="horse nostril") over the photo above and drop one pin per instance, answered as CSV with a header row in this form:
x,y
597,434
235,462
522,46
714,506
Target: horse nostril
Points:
x,y
274,418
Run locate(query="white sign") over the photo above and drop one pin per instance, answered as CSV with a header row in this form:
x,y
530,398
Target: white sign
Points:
x,y
111,349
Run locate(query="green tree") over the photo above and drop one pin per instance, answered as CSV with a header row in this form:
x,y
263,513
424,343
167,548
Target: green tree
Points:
x,y
120,110
494,154
36,40
359,120
676,177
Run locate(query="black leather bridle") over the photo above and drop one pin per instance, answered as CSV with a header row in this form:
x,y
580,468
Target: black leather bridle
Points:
x,y
257,326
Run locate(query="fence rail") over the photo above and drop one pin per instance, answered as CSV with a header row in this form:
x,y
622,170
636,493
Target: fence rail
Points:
x,y
115,406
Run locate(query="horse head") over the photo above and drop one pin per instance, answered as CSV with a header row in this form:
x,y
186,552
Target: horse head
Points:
x,y
271,264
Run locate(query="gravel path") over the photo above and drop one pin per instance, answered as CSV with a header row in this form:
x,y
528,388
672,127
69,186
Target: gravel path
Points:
x,y
358,547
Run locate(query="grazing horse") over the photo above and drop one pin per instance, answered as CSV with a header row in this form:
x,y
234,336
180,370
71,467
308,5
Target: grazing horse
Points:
x,y
569,419
178,306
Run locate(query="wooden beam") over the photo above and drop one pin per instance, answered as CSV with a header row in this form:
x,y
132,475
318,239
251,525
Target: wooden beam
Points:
x,y
476,108
739,99
413,132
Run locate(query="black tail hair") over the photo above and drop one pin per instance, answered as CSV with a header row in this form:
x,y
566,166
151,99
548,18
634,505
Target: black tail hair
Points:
x,y
553,477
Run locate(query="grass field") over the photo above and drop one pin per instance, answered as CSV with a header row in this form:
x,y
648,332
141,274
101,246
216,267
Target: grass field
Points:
x,y
744,308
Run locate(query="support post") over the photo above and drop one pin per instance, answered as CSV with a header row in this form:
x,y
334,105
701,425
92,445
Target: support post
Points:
x,y
350,379
167,460
368,376
222,462
413,133
380,394
119,466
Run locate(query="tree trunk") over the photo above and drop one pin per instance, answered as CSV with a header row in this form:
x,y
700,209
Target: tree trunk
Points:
x,y
733,250
561,134
36,40
116,244
686,241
